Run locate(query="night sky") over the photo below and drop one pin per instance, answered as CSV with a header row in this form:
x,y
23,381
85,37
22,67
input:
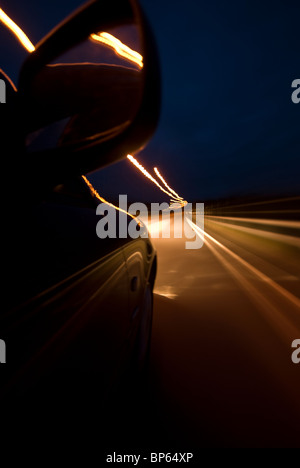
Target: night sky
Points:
x,y
228,126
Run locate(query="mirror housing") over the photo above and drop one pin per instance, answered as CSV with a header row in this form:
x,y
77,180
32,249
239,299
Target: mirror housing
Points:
x,y
82,148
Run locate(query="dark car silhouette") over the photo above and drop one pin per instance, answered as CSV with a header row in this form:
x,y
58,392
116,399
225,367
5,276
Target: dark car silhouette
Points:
x,y
76,310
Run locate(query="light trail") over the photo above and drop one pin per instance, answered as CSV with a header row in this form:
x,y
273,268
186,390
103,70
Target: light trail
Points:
x,y
96,194
149,176
266,222
166,185
9,80
175,199
267,202
178,204
284,326
279,289
17,31
118,46
279,237
280,323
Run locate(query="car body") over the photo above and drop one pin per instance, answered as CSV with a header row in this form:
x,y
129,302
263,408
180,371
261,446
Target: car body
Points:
x,y
75,302
77,309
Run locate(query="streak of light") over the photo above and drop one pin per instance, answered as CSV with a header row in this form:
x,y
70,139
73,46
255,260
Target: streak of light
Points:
x,y
17,31
276,318
266,222
9,80
284,211
267,202
279,289
166,185
287,239
178,204
96,194
149,176
118,46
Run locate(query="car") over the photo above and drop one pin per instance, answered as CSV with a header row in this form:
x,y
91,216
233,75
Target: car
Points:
x,y
77,309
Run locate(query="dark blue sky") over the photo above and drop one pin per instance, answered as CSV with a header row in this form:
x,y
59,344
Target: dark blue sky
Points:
x,y
228,125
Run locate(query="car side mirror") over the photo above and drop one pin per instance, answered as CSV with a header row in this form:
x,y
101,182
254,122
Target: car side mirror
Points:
x,y
90,92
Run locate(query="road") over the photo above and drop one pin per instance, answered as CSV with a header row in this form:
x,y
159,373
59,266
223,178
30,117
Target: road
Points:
x,y
224,320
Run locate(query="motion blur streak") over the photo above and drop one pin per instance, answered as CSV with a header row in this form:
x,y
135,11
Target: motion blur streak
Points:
x,y
267,202
20,35
275,315
279,237
166,185
266,222
146,174
9,80
279,289
96,194
118,46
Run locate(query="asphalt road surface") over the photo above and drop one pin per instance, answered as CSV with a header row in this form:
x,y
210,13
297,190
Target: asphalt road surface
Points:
x,y
225,317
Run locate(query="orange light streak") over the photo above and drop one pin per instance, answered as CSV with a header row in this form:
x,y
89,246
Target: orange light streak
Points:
x,y
96,194
279,289
166,185
266,222
271,311
118,46
14,28
149,176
